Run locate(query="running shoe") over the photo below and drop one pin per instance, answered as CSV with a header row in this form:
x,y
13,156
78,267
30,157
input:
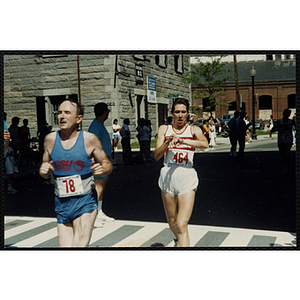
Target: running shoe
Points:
x,y
104,218
98,223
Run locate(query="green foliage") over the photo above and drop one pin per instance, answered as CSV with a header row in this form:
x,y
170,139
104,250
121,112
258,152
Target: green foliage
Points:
x,y
206,77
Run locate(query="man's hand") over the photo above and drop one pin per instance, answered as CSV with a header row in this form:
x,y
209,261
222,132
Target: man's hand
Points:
x,y
97,169
46,169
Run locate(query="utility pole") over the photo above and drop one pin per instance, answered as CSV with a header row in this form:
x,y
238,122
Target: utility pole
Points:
x,y
237,92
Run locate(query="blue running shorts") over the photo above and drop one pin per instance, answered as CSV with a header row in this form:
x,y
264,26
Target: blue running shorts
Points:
x,y
177,180
70,208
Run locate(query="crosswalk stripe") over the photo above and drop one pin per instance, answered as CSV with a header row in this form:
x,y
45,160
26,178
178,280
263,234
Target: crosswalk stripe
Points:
x,y
138,238
34,240
262,241
27,232
212,239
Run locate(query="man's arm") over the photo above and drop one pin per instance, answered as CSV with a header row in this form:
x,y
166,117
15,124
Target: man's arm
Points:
x,y
6,139
47,165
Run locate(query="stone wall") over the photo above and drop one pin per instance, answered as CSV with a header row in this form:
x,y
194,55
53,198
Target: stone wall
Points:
x,y
27,77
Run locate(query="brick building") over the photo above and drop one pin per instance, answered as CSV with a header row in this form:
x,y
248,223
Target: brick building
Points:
x,y
274,88
35,85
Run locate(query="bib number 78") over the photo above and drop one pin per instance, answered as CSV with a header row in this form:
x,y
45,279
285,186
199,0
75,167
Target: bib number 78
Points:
x,y
69,183
179,159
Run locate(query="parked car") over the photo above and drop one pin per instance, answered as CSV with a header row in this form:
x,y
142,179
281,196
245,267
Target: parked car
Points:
x,y
226,118
259,124
217,122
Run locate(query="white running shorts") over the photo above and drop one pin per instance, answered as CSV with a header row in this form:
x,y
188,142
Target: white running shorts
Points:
x,y
176,180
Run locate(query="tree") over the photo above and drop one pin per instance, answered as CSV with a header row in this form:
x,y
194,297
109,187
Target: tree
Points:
x,y
206,78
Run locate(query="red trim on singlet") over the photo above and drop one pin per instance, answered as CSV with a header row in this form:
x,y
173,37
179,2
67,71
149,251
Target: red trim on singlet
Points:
x,y
182,131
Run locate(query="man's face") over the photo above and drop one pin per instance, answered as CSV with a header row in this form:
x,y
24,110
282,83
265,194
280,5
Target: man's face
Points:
x,y
67,115
106,113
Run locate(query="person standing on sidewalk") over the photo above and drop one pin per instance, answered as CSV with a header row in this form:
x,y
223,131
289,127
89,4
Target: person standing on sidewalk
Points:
x,y
178,179
232,133
125,141
97,127
284,138
271,125
241,129
69,155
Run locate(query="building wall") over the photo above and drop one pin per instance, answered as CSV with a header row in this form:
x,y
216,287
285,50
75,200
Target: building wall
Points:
x,y
278,91
32,80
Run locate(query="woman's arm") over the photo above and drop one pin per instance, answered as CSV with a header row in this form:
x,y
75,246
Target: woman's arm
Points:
x,y
200,141
161,145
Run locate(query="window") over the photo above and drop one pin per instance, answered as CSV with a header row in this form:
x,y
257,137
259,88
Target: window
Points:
x,y
265,102
269,57
178,63
292,101
287,56
139,57
161,60
277,57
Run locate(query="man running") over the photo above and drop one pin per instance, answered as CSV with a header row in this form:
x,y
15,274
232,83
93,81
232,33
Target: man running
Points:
x,y
97,127
68,155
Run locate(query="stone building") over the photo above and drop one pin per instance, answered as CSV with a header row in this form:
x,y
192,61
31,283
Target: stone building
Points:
x,y
35,85
274,87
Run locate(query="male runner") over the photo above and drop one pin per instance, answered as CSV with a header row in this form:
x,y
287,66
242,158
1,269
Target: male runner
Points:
x,y
68,155
97,127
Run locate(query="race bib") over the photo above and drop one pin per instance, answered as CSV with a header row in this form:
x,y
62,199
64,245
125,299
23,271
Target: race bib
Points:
x,y
179,158
69,186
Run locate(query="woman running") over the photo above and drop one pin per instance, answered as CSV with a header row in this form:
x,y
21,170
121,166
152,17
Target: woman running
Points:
x,y
178,179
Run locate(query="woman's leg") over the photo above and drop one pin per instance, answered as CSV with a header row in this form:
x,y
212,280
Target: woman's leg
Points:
x,y
178,211
185,209
170,205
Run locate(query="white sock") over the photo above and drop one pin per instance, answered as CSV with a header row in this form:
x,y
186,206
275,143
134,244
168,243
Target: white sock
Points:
x,y
100,206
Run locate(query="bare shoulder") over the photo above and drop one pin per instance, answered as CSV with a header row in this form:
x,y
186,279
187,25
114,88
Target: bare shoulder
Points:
x,y
50,138
196,130
162,129
91,140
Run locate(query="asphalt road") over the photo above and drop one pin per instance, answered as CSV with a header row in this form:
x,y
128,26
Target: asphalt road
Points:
x,y
254,195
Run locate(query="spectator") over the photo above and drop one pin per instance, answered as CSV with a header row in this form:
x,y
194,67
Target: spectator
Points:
x,y
126,136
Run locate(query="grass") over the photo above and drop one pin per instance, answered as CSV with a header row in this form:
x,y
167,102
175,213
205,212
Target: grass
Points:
x,y
136,145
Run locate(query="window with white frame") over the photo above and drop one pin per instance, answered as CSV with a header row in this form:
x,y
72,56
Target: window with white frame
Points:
x,y
178,59
161,60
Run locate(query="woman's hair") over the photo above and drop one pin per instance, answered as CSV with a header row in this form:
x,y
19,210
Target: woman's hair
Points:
x,y
180,101
115,120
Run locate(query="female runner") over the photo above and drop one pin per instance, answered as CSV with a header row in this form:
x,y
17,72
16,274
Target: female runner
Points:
x,y
178,179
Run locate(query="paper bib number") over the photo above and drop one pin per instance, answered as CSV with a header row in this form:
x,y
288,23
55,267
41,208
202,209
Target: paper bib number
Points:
x,y
181,158
69,186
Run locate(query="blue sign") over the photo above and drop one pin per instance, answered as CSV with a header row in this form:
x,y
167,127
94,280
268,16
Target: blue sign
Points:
x,y
151,84
151,89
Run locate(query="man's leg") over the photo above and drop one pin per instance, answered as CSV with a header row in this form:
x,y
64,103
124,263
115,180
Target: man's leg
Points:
x,y
83,228
100,187
65,234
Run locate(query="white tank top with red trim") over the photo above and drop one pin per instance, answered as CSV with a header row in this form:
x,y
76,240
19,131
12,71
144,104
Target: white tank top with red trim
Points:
x,y
182,155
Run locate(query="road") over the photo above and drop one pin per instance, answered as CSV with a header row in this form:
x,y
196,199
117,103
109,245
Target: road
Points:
x,y
253,196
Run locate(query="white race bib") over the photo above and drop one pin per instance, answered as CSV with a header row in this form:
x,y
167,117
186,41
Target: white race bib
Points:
x,y
69,186
180,158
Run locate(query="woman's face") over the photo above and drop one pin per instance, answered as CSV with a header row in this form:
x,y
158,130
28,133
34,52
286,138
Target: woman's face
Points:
x,y
180,114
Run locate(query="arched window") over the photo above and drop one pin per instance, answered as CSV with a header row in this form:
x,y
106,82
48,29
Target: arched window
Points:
x,y
232,106
265,102
292,101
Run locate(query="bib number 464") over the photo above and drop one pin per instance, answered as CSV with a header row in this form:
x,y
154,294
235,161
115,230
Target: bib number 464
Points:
x,y
179,158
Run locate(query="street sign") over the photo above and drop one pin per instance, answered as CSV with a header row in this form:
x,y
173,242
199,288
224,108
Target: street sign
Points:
x,y
151,89
173,96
